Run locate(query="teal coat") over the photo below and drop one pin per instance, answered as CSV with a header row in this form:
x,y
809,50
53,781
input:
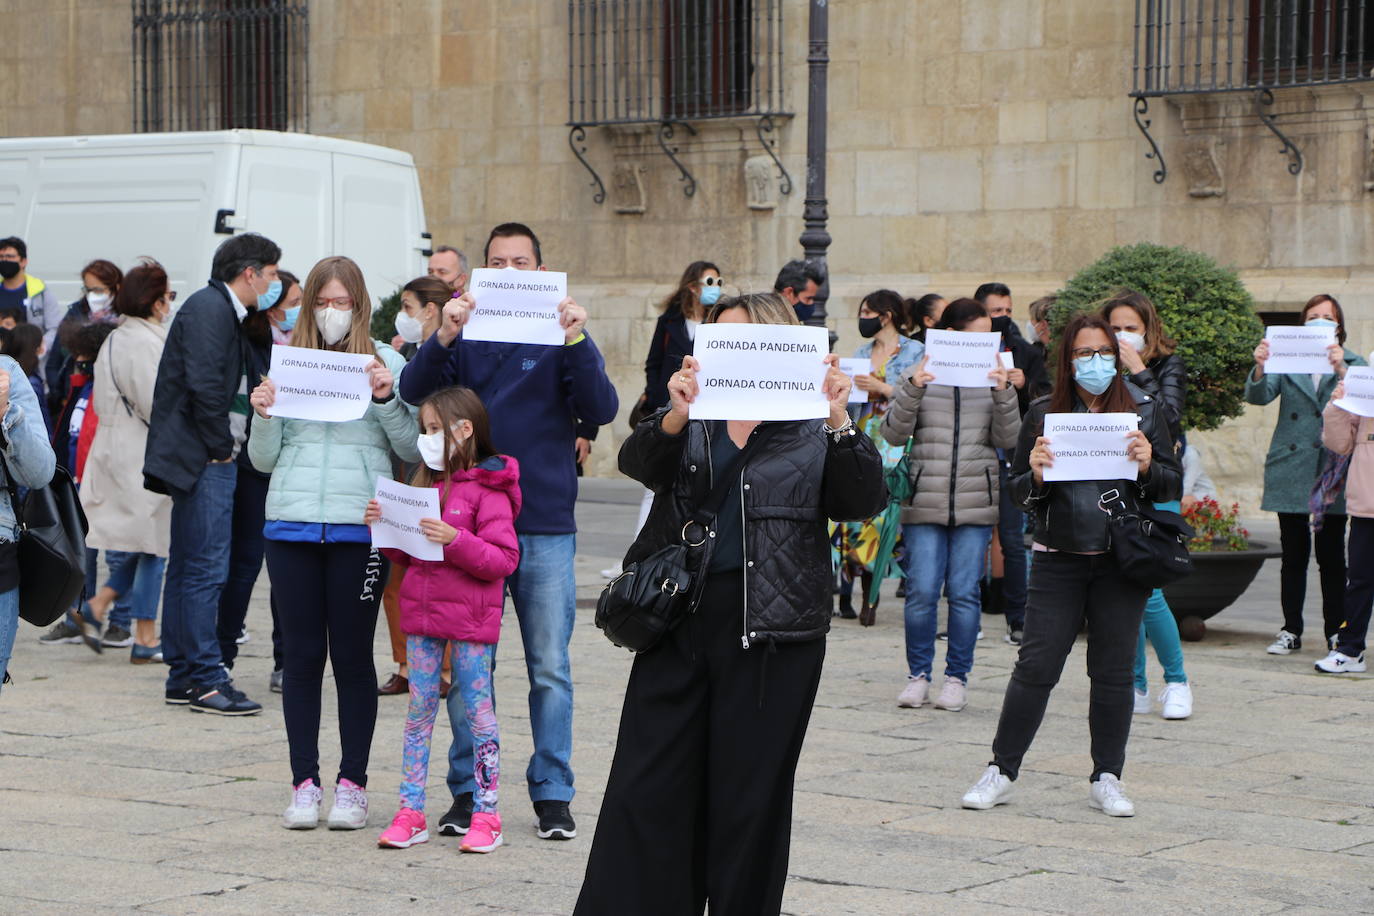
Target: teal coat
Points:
x,y
1295,452
326,472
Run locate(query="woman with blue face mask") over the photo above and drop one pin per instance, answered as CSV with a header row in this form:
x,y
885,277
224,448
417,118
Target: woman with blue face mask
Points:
x,y
1304,483
1074,574
1148,357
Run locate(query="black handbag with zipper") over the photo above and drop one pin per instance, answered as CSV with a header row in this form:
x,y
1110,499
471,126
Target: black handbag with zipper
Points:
x,y
653,595
51,548
1150,545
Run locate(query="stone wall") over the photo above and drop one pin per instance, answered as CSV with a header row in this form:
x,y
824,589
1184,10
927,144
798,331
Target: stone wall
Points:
x,y
969,140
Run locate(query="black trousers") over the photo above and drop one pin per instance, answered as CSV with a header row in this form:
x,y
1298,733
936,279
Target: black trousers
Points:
x,y
698,806
328,596
245,561
1066,589
1359,591
1295,539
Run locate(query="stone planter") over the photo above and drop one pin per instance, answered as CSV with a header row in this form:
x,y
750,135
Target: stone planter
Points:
x,y
1219,578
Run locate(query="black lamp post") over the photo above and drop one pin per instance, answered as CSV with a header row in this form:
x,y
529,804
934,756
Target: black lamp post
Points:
x,y
814,239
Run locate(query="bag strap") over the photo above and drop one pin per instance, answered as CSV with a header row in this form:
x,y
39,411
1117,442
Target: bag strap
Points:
x,y
128,405
13,489
711,506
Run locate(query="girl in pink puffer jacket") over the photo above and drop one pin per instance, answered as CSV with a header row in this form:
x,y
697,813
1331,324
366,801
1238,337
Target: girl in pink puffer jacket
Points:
x,y
458,600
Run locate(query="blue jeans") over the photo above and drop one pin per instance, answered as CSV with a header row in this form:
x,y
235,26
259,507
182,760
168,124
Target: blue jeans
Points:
x,y
1161,628
137,578
545,599
197,567
9,623
1011,531
940,555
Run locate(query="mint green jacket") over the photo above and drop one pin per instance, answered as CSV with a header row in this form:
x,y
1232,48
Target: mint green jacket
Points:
x,y
326,472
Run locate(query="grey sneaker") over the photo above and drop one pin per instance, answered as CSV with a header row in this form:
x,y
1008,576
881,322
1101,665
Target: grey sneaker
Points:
x,y
64,632
116,637
274,682
953,695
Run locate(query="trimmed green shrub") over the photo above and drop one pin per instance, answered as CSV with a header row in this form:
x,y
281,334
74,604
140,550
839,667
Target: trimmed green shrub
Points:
x,y
384,318
1204,308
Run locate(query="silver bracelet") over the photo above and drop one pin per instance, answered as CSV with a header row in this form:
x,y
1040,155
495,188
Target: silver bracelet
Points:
x,y
845,428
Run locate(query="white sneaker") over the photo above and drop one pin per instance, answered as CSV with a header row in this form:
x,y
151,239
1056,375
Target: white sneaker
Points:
x,y
1338,663
304,813
1106,794
1142,702
610,572
1176,701
991,789
953,695
913,695
1284,643
350,807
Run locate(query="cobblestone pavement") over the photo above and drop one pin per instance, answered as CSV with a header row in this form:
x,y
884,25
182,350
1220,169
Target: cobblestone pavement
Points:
x,y
1261,803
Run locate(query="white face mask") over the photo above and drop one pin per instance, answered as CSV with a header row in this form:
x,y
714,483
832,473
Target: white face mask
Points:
x,y
333,323
431,446
1131,337
409,327
98,301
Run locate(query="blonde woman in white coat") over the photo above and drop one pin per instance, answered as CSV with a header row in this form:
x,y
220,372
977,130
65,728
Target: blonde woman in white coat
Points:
x,y
131,524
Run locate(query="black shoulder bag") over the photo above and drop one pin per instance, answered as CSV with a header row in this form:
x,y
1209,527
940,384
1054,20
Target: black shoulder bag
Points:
x,y
653,595
52,547
1150,545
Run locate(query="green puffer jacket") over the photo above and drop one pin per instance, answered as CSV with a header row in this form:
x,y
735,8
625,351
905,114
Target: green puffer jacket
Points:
x,y
326,472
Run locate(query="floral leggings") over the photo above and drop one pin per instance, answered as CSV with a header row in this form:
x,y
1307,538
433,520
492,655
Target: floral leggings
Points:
x,y
472,667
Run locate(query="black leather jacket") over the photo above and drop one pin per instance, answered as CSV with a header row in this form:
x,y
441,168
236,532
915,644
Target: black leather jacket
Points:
x,y
1166,380
794,481
1067,516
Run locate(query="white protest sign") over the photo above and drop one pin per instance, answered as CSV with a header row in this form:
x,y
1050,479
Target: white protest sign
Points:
x,y
760,372
1090,446
851,368
516,306
399,526
962,359
1298,350
1007,359
320,384
1359,391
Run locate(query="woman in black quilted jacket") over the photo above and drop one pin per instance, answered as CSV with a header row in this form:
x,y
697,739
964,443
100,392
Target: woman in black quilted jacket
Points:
x,y
698,806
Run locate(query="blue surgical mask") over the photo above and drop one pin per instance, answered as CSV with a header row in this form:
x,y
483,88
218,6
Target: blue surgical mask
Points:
x,y
1320,323
710,295
289,318
1095,373
269,298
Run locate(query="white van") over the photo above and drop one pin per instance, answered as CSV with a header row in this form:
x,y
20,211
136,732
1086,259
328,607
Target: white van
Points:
x,y
177,196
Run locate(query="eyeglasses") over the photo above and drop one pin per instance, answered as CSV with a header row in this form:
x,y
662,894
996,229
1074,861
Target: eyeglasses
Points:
x,y
1089,352
94,290
712,281
341,302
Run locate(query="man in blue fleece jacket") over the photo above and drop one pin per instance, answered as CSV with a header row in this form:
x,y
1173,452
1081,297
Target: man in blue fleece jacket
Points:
x,y
535,396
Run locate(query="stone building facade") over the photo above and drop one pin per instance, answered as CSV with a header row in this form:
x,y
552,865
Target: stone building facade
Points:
x,y
969,140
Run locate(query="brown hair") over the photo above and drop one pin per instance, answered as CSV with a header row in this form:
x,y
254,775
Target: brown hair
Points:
x,y
685,298
1336,306
763,308
430,290
105,272
144,286
1157,343
1040,308
359,336
452,405
23,344
1118,397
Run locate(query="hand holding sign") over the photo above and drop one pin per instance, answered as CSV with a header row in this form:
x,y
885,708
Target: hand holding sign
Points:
x,y
572,317
263,397
379,376
837,387
1355,394
456,314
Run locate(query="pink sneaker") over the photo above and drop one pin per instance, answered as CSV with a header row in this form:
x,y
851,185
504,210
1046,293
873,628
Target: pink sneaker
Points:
x,y
407,828
485,834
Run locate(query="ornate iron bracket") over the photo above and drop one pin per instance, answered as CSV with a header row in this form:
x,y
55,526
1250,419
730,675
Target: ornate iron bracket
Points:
x,y
765,126
1142,108
577,139
1263,99
665,133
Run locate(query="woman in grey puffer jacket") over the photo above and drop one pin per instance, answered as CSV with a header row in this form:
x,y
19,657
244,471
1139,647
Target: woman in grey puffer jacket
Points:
x,y
948,523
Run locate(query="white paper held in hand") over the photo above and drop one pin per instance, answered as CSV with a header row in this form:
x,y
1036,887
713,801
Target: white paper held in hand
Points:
x,y
760,372
1298,350
402,509
853,367
1007,359
962,359
320,384
516,306
1359,391
1090,446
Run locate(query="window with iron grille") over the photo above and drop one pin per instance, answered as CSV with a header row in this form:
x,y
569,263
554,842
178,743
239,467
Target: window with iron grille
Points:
x,y
646,61
219,64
